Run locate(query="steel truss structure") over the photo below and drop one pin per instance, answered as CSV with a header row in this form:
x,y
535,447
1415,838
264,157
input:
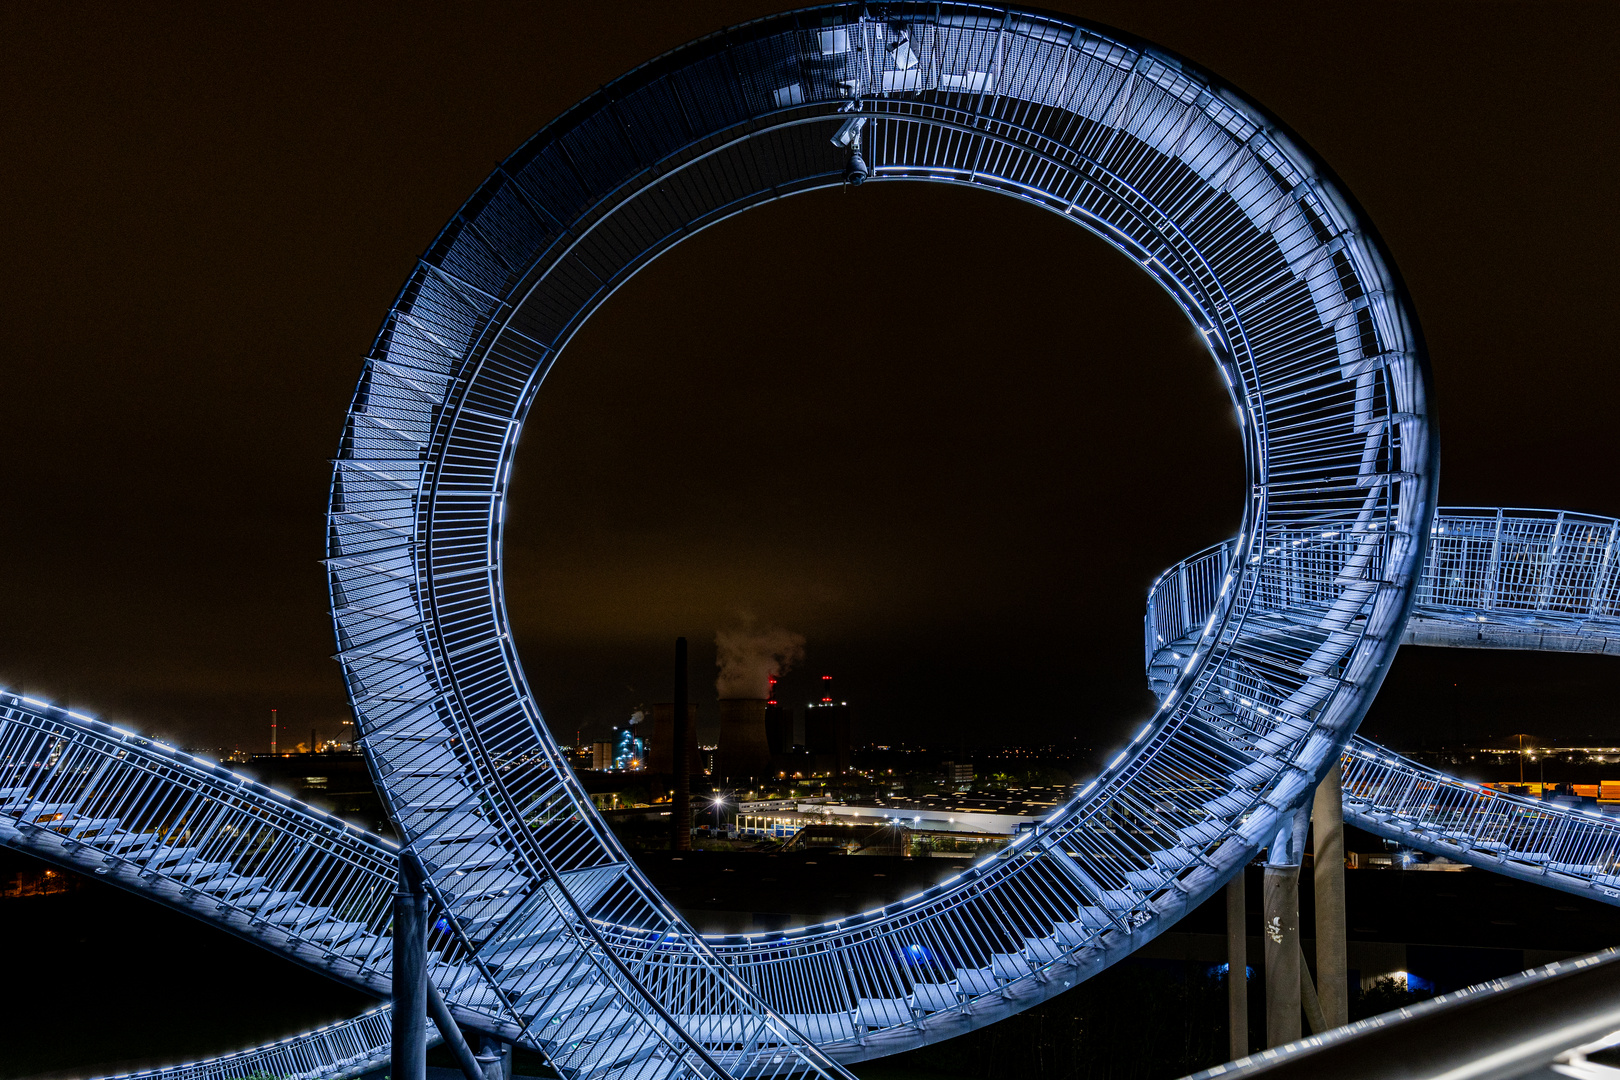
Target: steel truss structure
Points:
x,y
1268,257
546,933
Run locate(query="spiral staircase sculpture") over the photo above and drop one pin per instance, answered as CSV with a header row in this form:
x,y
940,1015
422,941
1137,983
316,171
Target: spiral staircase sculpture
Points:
x,y
545,932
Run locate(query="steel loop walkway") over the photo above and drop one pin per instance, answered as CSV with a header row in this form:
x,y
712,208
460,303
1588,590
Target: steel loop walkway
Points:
x,y
1199,187
547,933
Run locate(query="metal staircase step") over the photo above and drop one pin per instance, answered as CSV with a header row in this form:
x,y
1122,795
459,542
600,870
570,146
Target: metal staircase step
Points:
x,y
165,856
973,981
40,813
125,841
526,958
294,915
477,884
227,887
933,997
654,1067
554,1011
334,932
265,902
883,1012
197,871
594,1024
446,858
607,1051
1009,965
1044,950
87,828
362,945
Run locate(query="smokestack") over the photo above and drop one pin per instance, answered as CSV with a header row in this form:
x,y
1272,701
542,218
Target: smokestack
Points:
x,y
778,728
681,730
272,732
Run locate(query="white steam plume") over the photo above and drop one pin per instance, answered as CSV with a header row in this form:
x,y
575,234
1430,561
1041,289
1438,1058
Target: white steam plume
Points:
x,y
748,656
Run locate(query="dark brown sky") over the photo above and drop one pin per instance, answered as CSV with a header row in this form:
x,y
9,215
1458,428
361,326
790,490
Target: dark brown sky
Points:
x,y
946,437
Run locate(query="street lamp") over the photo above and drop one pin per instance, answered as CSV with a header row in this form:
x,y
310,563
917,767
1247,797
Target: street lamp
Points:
x,y
1521,737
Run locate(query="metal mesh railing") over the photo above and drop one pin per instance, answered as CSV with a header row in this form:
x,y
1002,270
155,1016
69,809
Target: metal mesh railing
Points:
x,y
334,1052
1547,839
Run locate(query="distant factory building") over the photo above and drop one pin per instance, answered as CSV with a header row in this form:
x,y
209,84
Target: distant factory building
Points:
x,y
661,754
827,731
602,756
628,753
965,817
965,814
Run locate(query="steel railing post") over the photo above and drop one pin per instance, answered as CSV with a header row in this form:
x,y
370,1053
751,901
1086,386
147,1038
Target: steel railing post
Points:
x,y
1555,551
1495,567
1605,568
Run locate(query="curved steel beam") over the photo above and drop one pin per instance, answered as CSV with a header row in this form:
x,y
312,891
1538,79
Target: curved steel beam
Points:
x,y
1243,226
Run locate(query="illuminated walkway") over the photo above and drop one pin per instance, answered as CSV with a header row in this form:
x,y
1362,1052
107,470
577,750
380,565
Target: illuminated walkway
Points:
x,y
545,931
1518,579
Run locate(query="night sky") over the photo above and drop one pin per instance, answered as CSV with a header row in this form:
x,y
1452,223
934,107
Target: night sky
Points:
x,y
943,436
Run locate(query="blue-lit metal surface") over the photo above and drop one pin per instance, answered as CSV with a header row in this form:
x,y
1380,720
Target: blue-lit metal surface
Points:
x,y
191,834
1546,1023
1268,257
335,1052
1495,578
1559,845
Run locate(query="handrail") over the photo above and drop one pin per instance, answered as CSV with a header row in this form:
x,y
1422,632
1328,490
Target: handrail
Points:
x,y
338,1051
1497,1030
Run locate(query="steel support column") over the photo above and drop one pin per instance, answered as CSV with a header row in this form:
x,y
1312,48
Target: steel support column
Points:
x,y
496,1058
408,1056
1237,967
471,1067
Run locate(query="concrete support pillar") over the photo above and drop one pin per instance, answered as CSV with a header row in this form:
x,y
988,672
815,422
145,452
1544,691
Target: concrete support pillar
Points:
x,y
1332,965
1280,929
408,1055
1237,967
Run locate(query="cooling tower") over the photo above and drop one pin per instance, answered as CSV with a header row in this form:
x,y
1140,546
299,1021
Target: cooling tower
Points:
x,y
745,752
